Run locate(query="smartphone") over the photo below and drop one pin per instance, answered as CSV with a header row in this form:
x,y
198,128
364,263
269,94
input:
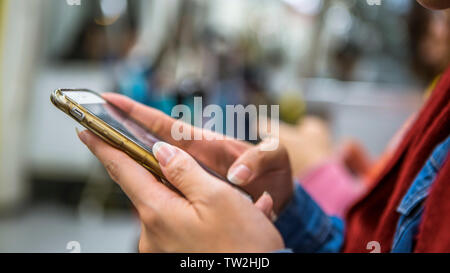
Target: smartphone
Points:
x,y
115,127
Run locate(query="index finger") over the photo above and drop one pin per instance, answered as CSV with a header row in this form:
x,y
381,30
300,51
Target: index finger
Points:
x,y
139,184
156,121
161,124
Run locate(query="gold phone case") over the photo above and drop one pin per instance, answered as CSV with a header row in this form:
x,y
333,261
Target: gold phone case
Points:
x,y
106,132
117,139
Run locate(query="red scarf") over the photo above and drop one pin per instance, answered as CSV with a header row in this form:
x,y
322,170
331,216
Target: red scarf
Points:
x,y
374,218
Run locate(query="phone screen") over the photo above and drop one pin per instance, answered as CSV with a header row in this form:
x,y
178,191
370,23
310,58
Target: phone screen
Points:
x,y
124,124
114,117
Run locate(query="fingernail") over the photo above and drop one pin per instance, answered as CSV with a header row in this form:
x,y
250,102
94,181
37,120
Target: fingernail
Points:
x,y
273,216
164,152
239,175
81,135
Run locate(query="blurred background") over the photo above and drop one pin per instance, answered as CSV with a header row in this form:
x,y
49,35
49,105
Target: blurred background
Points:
x,y
342,71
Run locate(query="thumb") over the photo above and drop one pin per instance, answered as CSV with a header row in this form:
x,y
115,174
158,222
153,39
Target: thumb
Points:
x,y
182,171
257,161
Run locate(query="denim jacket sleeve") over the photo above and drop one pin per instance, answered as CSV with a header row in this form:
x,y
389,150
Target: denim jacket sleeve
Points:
x,y
305,227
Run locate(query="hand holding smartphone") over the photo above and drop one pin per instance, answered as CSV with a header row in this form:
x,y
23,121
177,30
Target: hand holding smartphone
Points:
x,y
115,127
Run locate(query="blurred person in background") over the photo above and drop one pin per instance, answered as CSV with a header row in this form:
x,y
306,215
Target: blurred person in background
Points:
x,y
430,42
347,167
406,209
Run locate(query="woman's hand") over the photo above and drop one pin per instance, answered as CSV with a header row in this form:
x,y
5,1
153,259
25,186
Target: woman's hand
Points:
x,y
214,150
265,172
259,169
213,216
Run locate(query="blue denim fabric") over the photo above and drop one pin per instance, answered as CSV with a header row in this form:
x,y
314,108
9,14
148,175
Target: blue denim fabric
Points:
x,y
306,228
411,207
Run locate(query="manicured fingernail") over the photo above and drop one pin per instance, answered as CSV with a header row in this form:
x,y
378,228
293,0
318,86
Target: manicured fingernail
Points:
x,y
164,152
239,175
273,216
81,135
269,205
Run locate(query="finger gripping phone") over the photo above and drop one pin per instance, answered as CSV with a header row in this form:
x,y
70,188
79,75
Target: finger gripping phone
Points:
x,y
117,128
111,124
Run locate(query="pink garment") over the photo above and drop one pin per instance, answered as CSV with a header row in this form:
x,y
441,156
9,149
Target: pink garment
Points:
x,y
333,187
